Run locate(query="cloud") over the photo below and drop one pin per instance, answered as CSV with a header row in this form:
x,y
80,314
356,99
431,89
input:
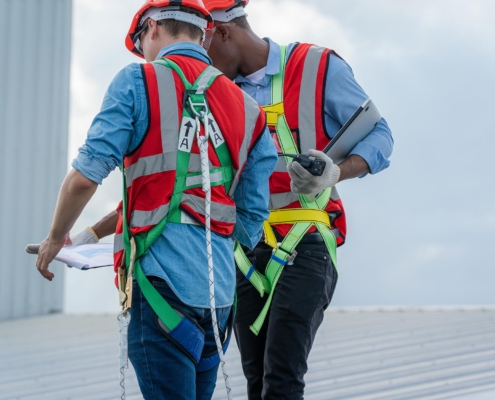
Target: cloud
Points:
x,y
298,22
85,95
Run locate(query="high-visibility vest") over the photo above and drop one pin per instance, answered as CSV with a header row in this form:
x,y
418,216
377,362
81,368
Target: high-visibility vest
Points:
x,y
304,85
236,122
294,215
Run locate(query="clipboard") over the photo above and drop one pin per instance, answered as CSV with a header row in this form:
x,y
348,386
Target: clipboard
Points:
x,y
357,127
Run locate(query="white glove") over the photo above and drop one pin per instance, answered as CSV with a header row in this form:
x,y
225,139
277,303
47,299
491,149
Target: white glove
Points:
x,y
303,182
87,236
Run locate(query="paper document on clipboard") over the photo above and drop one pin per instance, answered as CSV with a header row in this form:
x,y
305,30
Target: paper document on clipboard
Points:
x,y
87,256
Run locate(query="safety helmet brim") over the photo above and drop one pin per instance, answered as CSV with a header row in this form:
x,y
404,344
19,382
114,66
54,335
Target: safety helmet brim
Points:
x,y
169,6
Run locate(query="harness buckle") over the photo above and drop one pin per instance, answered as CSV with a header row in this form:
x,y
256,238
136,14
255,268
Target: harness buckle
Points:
x,y
290,260
292,256
194,107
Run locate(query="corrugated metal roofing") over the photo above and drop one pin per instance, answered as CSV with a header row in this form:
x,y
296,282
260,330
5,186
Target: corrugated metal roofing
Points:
x,y
358,354
34,110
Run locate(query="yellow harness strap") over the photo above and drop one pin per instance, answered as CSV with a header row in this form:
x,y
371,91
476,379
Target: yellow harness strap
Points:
x,y
270,238
273,111
292,216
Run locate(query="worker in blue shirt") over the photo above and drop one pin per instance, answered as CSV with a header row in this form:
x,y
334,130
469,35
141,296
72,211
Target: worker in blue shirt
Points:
x,y
308,93
176,263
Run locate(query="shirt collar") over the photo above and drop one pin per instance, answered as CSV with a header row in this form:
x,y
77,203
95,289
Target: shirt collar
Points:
x,y
272,64
185,48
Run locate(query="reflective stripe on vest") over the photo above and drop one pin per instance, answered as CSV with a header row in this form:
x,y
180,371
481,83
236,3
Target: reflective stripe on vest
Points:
x,y
195,163
281,200
307,100
198,179
169,113
160,163
281,165
151,165
140,219
335,194
219,212
118,242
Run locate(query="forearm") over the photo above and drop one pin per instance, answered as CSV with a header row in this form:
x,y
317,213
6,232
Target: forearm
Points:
x,y
107,225
253,193
75,193
352,167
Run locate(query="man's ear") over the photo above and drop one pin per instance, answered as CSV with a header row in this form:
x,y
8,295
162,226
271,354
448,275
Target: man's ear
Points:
x,y
153,28
223,32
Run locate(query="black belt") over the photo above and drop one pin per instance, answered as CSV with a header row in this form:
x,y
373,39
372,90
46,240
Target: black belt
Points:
x,y
308,238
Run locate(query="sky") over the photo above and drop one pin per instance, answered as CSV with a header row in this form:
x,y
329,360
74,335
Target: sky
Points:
x,y
419,233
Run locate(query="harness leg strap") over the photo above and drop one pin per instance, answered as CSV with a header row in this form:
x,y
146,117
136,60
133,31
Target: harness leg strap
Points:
x,y
278,261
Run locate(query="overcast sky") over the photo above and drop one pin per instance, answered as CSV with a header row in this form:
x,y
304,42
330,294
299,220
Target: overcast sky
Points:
x,y
419,233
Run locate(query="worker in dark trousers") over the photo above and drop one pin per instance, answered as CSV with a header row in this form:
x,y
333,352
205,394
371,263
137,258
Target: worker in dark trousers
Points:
x,y
285,284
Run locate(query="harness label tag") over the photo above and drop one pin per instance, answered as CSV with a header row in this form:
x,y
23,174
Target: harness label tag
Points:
x,y
216,135
187,133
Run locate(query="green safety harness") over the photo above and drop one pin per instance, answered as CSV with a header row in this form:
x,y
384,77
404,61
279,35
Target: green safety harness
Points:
x,y
179,328
311,214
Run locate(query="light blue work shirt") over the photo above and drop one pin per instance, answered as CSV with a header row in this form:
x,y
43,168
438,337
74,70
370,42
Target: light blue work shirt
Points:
x,y
179,255
343,96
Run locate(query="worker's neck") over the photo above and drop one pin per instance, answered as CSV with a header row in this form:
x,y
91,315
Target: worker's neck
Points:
x,y
254,54
168,40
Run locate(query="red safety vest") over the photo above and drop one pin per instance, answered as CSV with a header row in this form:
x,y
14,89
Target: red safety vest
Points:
x,y
304,94
150,169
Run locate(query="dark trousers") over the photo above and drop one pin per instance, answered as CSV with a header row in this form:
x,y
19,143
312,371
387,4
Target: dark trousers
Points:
x,y
275,361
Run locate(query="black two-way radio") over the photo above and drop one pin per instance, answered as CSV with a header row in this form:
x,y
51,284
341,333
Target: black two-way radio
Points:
x,y
315,166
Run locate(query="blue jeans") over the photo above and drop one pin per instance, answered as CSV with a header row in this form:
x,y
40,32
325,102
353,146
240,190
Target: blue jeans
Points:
x,y
163,370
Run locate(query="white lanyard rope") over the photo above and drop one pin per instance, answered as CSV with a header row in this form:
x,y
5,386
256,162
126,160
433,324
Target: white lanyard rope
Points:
x,y
205,170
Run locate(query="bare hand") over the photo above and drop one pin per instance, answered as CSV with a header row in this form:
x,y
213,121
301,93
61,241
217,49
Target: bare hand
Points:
x,y
46,253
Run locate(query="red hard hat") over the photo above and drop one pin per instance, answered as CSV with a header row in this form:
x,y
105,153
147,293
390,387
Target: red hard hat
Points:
x,y
135,25
222,4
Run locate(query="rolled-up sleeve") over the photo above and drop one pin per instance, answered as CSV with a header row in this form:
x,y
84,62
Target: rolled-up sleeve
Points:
x,y
253,193
343,96
112,130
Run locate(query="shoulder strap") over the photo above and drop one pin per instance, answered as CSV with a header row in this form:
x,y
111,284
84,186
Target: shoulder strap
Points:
x,y
196,93
284,134
278,80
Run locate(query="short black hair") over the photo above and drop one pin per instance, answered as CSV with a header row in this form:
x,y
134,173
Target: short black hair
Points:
x,y
241,22
175,28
